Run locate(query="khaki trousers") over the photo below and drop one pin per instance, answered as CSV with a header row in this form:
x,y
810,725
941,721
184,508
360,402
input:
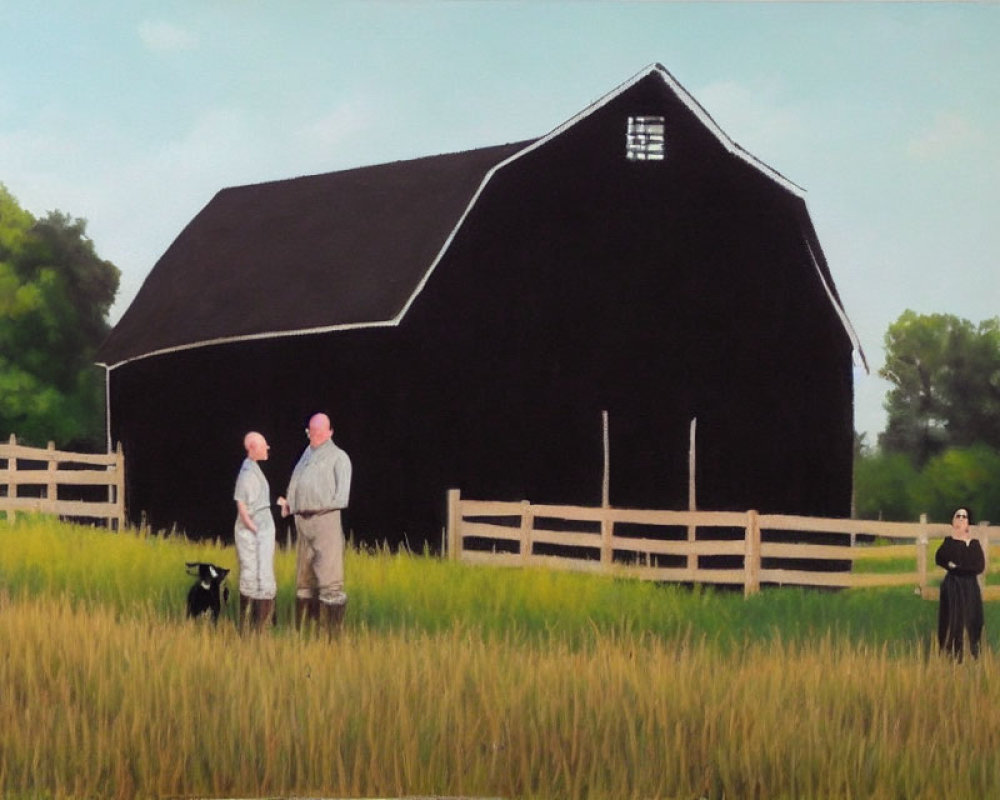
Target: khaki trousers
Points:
x,y
320,558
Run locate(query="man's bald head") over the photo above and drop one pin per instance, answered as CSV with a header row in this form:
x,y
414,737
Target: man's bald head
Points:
x,y
256,446
320,430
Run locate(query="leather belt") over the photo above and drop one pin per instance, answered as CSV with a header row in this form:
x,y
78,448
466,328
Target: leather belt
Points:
x,y
310,514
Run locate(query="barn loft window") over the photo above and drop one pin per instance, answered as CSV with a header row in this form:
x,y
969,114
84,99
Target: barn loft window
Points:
x,y
644,139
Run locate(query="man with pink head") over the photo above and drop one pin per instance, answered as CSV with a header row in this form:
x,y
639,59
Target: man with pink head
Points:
x,y
254,535
319,490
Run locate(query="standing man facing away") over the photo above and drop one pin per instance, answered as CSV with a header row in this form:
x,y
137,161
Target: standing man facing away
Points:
x,y
318,491
254,534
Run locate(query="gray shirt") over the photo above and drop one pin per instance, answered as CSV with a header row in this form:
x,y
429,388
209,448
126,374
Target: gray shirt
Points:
x,y
321,480
252,488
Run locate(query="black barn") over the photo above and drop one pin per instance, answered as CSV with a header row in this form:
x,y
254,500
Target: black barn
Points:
x,y
466,318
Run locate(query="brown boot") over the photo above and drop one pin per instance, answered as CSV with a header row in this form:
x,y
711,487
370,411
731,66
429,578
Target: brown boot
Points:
x,y
306,610
246,612
331,617
337,616
263,614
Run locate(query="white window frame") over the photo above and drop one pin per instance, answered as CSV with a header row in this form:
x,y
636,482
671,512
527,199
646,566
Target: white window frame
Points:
x,y
645,139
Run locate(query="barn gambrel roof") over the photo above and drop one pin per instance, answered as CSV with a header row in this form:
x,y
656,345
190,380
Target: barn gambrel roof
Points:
x,y
342,250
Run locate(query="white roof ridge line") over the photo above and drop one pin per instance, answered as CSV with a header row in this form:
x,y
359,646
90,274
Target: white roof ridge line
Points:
x,y
685,97
704,117
249,337
454,232
709,122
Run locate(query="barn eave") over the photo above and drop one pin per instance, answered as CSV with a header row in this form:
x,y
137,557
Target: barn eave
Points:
x,y
390,323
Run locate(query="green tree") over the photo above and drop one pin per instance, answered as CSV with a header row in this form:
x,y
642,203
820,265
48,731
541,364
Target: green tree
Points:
x,y
945,373
883,486
961,476
55,293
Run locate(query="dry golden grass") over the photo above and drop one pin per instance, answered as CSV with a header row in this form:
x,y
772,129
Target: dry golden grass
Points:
x,y
462,681
96,705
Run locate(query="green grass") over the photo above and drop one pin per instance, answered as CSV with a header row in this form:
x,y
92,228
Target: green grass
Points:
x,y
138,574
458,680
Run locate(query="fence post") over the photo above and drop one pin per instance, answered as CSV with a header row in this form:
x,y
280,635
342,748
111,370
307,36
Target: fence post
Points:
x,y
751,556
607,539
52,483
984,540
12,485
922,555
119,486
527,527
454,521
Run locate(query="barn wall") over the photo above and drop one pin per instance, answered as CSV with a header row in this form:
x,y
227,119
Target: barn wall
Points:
x,y
661,292
181,419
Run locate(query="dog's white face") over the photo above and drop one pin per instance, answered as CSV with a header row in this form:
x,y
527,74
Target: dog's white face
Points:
x,y
213,574
208,574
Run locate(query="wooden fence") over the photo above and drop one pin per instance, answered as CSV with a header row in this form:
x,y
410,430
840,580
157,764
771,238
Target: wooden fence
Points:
x,y
519,534
42,472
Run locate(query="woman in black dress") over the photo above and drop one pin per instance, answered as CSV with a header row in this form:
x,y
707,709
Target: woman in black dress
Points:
x,y
961,607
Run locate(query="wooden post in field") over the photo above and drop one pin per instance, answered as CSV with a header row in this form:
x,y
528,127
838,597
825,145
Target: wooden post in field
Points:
x,y
922,555
527,526
692,561
984,539
454,521
607,526
606,475
751,555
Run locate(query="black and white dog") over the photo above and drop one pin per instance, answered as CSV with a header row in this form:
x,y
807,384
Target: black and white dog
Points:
x,y
208,594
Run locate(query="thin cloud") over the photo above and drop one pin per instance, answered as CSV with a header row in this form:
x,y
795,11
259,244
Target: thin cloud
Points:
x,y
165,37
751,117
334,128
948,134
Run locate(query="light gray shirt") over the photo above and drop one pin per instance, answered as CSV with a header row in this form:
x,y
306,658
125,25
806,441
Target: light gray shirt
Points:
x,y
321,480
253,490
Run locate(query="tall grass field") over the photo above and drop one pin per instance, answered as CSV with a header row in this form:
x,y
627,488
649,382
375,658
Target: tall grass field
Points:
x,y
451,680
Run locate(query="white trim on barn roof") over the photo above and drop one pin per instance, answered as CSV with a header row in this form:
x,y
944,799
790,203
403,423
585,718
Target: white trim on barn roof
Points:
x,y
682,94
249,337
852,335
696,108
707,121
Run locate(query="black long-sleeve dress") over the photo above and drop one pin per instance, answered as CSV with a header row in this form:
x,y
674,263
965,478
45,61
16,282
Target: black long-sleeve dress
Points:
x,y
961,606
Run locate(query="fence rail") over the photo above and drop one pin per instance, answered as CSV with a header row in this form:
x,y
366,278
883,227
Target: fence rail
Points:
x,y
756,548
44,471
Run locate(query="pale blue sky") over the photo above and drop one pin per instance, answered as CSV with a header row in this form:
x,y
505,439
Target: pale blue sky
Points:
x,y
133,114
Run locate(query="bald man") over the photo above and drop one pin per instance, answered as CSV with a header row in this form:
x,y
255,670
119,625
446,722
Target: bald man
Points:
x,y
318,491
254,536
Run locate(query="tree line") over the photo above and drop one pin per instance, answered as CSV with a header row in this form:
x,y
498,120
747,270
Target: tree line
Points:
x,y
941,445
55,294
